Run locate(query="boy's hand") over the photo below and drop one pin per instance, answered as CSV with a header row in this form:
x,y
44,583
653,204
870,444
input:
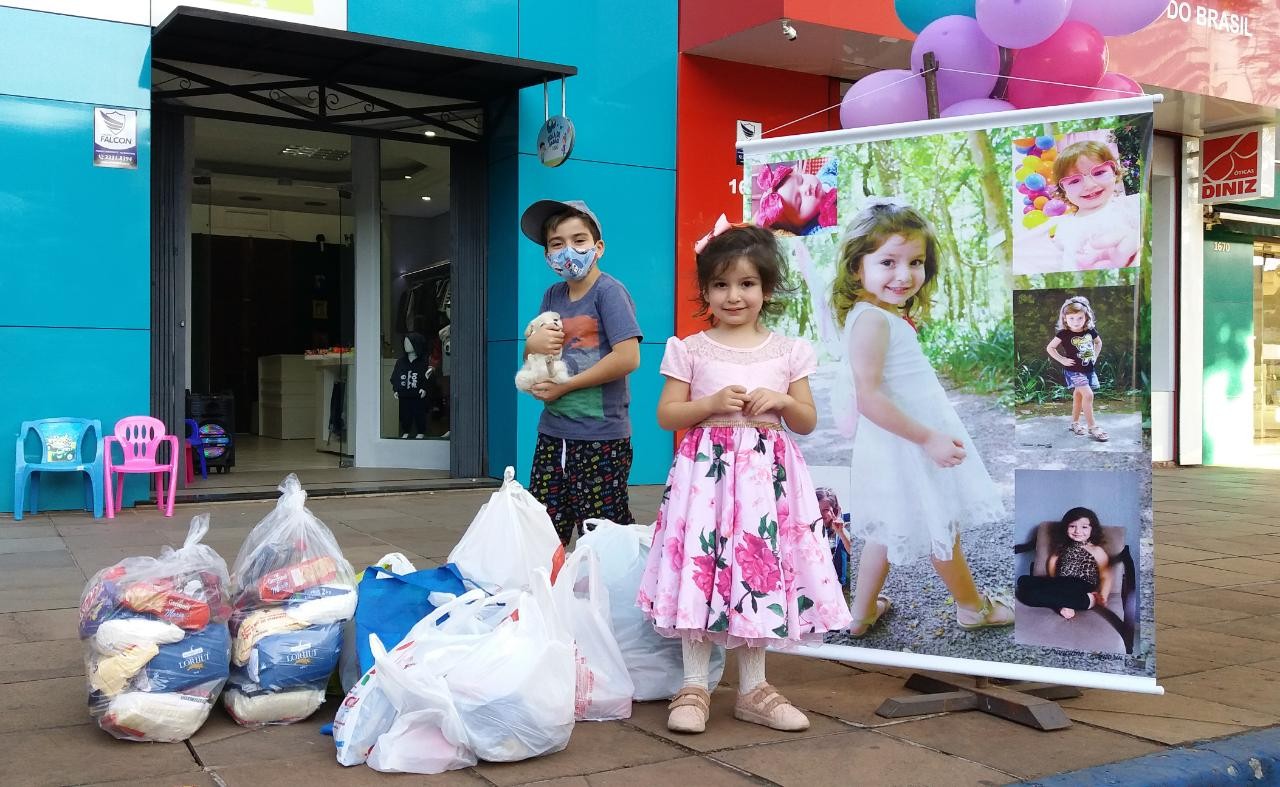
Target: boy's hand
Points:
x,y
728,400
545,341
548,391
766,400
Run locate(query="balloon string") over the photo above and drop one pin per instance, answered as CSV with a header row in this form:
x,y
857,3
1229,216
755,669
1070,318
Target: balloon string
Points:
x,y
833,106
1041,81
955,71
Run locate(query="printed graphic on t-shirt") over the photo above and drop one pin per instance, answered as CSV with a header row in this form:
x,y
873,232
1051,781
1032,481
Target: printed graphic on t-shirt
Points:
x,y
1083,342
581,352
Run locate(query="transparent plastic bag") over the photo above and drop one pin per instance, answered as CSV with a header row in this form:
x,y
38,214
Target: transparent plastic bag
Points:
x,y
292,590
156,641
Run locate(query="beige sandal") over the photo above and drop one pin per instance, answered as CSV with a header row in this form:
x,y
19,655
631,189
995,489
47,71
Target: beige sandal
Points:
x,y
690,709
765,706
1099,434
990,615
859,628
1077,428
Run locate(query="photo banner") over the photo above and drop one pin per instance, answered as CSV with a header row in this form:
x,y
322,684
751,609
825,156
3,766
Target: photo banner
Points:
x,y
1023,365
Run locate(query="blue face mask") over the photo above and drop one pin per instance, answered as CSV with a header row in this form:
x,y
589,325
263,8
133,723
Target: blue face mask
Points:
x,y
571,264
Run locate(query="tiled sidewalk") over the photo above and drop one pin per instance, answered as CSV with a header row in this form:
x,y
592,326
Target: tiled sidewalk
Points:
x,y
1218,646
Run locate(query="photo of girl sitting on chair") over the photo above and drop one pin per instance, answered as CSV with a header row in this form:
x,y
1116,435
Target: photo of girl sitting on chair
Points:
x,y
1078,577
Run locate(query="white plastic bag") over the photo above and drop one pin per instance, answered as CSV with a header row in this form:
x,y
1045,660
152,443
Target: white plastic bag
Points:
x,y
365,714
292,590
426,734
510,537
655,662
604,686
155,636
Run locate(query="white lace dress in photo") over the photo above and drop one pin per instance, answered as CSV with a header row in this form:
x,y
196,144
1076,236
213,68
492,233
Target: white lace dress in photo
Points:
x,y
900,497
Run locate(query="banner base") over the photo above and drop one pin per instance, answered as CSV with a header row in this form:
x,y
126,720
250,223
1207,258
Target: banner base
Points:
x,y
1029,704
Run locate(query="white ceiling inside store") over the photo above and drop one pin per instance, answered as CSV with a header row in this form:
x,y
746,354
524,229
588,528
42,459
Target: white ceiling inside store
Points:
x,y
245,160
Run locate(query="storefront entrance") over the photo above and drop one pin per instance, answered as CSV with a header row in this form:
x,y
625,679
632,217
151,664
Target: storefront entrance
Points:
x,y
319,235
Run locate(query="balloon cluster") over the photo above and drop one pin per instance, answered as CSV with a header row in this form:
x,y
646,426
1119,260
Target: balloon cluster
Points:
x,y
1035,180
1059,57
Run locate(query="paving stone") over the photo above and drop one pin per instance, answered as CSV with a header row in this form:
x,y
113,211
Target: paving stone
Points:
x,y
1242,687
27,528
58,658
1238,600
1175,613
852,699
32,560
878,760
1204,575
1170,585
1273,665
1224,648
1171,706
40,625
26,599
1270,589
295,742
1253,567
84,754
1168,665
15,546
1170,732
1166,553
594,747
37,577
692,771
202,779
723,731
1021,750
310,772
1260,628
39,704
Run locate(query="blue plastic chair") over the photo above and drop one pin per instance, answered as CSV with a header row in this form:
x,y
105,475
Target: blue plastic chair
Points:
x,y
195,450
58,445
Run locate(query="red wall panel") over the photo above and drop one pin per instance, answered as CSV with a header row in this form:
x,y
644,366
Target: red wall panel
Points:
x,y
712,96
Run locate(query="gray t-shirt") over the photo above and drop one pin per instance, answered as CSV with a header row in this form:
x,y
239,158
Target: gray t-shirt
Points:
x,y
593,324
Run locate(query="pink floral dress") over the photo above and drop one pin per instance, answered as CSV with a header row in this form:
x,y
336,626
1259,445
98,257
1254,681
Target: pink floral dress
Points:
x,y
738,555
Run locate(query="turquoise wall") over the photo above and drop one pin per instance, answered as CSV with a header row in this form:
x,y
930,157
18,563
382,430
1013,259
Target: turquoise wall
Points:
x,y
1228,332
74,238
624,109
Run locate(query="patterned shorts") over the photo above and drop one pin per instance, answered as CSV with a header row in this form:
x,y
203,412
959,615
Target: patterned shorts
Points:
x,y
581,479
1081,379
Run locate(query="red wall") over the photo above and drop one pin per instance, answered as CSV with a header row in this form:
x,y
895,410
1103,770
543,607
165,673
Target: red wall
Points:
x,y
712,96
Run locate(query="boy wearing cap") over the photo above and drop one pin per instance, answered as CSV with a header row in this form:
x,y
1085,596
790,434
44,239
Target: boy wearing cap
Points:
x,y
583,454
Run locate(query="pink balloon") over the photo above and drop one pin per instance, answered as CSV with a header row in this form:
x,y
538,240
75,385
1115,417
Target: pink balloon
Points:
x,y
976,106
958,43
1117,17
1018,24
1113,85
891,96
1075,56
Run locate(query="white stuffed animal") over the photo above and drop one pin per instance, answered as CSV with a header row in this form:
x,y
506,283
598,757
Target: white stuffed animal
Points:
x,y
537,367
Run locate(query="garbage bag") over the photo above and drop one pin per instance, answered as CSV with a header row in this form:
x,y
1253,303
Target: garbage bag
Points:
x,y
155,640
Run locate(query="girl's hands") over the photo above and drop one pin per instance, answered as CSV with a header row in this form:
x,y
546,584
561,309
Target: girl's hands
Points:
x,y
728,400
765,400
944,450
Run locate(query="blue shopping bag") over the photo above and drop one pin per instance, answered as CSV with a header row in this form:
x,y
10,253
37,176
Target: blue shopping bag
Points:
x,y
391,604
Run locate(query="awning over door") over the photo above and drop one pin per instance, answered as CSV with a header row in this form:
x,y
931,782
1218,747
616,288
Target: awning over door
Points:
x,y
219,64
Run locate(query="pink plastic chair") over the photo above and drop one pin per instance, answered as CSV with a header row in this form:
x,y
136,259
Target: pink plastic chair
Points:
x,y
140,437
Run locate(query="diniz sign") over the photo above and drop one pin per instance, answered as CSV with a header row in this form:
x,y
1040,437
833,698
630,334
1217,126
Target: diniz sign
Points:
x,y
1239,165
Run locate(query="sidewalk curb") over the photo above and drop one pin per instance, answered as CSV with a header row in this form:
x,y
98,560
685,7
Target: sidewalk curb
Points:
x,y
1246,758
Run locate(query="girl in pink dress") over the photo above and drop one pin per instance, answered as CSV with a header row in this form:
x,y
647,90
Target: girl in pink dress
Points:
x,y
738,556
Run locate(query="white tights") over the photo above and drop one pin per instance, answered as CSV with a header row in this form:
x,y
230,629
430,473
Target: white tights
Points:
x,y
697,665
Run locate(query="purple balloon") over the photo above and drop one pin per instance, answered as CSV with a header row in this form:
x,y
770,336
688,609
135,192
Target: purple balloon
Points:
x,y
976,106
958,43
1055,207
1113,18
891,96
1022,23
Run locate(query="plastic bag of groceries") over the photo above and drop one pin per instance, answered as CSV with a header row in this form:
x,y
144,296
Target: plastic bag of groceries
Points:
x,y
604,686
156,640
510,538
291,591
655,662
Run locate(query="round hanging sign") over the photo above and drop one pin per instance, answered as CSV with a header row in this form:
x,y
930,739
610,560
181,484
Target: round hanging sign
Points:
x,y
555,141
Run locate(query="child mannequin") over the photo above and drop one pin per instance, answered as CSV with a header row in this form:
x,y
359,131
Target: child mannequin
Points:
x,y
409,386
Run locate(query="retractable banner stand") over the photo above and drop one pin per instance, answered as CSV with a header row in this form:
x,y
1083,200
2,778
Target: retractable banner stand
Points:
x,y
1035,316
